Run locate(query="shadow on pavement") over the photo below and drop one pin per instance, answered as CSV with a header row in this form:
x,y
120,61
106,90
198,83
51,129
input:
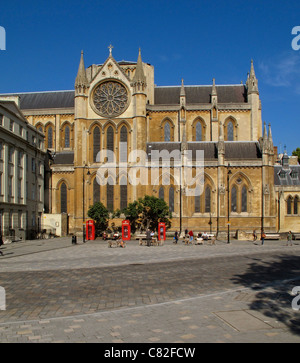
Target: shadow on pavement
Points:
x,y
275,302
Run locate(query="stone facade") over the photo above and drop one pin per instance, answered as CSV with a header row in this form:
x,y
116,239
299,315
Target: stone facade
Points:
x,y
118,102
22,159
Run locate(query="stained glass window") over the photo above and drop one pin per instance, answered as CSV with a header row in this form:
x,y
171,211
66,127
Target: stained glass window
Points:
x,y
96,142
233,199
198,131
63,198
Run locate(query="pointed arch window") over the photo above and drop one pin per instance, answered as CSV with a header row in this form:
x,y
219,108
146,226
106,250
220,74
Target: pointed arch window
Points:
x,y
207,200
67,136
230,131
198,131
244,199
167,132
63,198
50,137
161,193
197,203
171,199
110,139
233,199
296,201
96,191
123,146
96,142
110,194
123,193
289,205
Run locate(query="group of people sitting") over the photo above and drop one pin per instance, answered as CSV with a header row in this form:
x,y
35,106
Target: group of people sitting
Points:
x,y
189,237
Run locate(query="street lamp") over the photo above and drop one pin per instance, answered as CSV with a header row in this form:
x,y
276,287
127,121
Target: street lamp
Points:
x,y
228,206
83,202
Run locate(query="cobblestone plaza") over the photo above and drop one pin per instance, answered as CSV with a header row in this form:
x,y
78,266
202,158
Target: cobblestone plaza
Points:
x,y
58,292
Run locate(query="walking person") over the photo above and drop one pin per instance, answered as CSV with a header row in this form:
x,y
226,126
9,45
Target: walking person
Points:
x,y
148,237
254,236
263,236
1,244
289,239
191,234
176,237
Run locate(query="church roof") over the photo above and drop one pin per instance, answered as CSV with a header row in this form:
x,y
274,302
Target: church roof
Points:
x,y
200,94
234,150
43,100
284,176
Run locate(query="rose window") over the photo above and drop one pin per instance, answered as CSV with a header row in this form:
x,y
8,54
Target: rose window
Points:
x,y
110,99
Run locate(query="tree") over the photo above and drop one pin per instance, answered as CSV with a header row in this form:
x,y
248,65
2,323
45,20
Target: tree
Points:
x,y
100,214
147,212
297,153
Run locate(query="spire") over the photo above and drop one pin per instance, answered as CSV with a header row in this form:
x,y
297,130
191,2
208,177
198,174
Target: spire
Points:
x,y
265,138
270,136
182,96
139,77
214,89
81,79
252,82
182,90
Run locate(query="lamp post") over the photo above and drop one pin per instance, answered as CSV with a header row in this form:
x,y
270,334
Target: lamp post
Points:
x,y
83,202
228,205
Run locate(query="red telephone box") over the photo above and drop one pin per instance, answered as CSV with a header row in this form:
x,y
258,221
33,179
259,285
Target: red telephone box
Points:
x,y
90,230
161,231
126,231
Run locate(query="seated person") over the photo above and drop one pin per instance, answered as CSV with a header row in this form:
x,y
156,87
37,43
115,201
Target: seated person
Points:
x,y
205,236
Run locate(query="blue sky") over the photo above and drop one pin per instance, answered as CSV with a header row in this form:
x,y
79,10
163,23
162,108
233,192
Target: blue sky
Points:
x,y
194,40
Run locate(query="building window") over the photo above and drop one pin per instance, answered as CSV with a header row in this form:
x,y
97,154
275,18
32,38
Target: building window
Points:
x,y
244,199
96,143
1,119
1,150
167,132
11,154
123,147
11,125
171,199
123,193
67,137
198,131
63,199
50,137
233,199
230,131
161,193
207,200
296,201
289,205
110,194
96,191
110,139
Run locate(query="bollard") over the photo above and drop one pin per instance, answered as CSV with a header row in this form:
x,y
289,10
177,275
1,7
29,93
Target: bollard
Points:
x,y
74,240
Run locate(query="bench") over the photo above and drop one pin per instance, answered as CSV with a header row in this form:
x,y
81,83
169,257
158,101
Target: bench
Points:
x,y
296,236
272,236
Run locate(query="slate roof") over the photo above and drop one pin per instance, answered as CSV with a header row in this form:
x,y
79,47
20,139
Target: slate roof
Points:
x,y
234,150
289,175
42,100
239,150
200,94
64,158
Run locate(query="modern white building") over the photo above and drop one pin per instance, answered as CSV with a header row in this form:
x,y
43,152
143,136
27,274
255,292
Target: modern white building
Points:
x,y
22,156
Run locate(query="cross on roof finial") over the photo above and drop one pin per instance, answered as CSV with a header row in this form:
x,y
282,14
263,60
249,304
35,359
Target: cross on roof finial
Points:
x,y
110,49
